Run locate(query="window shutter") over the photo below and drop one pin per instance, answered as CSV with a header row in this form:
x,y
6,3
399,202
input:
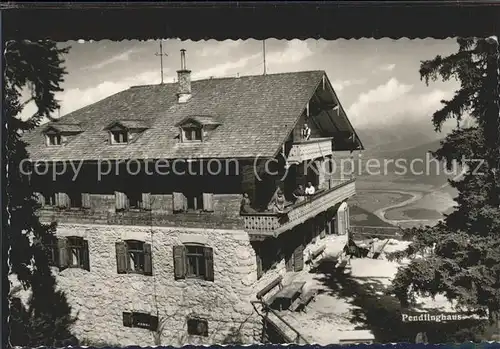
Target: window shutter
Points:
x,y
86,255
347,222
298,258
85,200
209,263
324,227
121,257
128,319
120,201
148,260
259,263
341,215
179,262
208,202
62,248
178,202
289,260
40,199
146,201
62,200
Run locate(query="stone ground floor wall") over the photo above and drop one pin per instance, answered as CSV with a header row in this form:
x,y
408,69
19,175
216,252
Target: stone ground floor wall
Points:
x,y
101,295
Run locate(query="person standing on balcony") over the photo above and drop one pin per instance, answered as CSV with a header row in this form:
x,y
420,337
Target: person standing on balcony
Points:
x,y
310,190
306,132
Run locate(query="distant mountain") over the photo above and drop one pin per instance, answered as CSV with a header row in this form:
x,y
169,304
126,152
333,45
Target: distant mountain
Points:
x,y
398,136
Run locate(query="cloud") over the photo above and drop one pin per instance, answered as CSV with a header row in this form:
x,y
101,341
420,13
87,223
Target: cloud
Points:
x,y
339,85
121,57
239,66
295,51
219,48
386,67
393,102
76,98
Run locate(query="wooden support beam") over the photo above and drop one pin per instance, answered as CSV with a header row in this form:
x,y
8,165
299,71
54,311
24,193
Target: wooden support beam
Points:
x,y
307,109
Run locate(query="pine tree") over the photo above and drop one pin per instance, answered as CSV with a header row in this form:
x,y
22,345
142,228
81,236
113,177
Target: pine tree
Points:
x,y
36,67
461,255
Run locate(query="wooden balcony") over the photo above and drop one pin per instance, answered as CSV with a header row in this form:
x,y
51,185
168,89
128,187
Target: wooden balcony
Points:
x,y
309,150
265,224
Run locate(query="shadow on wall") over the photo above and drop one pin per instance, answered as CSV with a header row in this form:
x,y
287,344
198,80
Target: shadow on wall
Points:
x,y
376,310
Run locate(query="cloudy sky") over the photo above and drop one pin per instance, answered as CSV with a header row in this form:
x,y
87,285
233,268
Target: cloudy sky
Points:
x,y
377,81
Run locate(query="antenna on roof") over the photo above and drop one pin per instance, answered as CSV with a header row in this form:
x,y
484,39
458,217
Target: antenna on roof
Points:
x,y
264,54
161,54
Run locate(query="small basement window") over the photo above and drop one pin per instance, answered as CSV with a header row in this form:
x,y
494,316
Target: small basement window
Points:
x,y
119,137
197,327
140,320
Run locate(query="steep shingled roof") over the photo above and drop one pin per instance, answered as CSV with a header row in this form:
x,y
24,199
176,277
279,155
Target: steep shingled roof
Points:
x,y
256,114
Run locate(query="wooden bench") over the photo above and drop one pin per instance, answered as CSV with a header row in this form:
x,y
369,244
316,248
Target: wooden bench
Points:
x,y
275,283
287,295
313,255
303,300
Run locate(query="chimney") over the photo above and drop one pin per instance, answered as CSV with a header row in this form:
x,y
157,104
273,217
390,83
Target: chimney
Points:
x,y
184,80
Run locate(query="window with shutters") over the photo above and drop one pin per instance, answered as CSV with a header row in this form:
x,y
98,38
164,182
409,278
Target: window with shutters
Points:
x,y
193,261
140,320
132,200
193,201
69,252
62,201
134,256
197,327
76,249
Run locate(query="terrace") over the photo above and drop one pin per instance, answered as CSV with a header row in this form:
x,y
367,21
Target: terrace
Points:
x,y
261,225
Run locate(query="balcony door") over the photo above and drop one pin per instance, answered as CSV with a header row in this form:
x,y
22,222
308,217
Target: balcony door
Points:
x,y
312,174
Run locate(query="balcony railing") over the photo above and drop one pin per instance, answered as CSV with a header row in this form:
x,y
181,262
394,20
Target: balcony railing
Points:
x,y
273,224
310,149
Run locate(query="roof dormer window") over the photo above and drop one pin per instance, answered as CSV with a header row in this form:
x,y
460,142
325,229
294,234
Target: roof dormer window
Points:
x,y
192,134
197,128
58,133
119,137
54,139
125,131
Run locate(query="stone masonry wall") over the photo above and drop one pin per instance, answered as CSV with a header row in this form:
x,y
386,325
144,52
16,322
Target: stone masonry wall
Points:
x,y
99,297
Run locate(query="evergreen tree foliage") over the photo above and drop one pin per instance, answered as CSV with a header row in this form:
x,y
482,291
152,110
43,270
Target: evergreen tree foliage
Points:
x,y
460,257
35,67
